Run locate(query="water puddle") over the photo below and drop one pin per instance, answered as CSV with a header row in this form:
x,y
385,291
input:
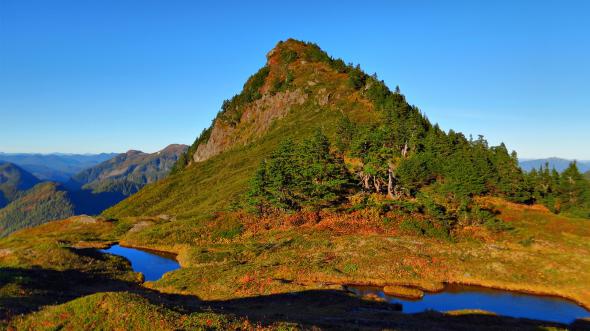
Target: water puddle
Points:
x,y
153,265
513,304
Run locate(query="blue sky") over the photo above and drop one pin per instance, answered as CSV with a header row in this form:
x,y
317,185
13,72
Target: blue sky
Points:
x,y
112,75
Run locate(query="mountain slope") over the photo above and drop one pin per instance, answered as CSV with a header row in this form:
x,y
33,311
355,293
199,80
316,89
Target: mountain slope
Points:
x,y
298,91
55,167
44,202
554,163
388,146
13,180
128,172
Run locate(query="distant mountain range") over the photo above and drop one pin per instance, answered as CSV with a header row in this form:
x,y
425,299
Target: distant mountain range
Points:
x,y
56,167
128,172
27,201
554,162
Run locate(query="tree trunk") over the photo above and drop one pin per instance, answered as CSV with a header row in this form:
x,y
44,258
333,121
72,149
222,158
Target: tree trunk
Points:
x,y
365,180
377,184
389,184
405,150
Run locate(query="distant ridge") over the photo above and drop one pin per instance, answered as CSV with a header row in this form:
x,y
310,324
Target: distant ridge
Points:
x,y
556,163
57,167
128,172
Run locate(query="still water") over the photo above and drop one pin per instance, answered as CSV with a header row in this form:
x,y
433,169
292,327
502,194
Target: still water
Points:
x,y
153,265
514,304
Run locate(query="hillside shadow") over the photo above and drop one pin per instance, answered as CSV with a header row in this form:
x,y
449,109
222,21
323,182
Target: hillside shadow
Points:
x,y
90,203
327,309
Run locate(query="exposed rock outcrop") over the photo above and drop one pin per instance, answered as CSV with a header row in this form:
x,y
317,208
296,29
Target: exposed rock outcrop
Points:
x,y
255,121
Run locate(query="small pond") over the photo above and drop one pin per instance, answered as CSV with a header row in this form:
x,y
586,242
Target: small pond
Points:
x,y
514,304
153,265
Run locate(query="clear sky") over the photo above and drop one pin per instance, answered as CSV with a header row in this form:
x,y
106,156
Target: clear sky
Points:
x,y
112,75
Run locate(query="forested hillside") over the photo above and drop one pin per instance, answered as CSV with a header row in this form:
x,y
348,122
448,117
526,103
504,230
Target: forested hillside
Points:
x,y
44,202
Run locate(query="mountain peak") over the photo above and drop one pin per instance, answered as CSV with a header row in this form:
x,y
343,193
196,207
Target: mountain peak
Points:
x,y
298,75
174,148
291,48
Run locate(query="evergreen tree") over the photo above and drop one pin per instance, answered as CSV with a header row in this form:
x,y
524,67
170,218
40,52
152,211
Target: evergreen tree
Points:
x,y
574,191
300,176
322,177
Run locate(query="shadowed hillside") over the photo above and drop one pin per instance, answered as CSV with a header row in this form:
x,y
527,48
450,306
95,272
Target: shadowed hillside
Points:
x,y
13,180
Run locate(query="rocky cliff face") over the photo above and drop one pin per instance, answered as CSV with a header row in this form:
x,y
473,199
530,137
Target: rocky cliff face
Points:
x,y
258,116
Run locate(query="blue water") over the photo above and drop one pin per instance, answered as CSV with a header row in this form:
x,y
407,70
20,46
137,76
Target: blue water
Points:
x,y
500,302
151,264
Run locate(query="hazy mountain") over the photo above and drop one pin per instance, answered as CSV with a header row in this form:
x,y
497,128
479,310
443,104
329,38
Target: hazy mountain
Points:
x,y
128,172
554,162
13,180
55,167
